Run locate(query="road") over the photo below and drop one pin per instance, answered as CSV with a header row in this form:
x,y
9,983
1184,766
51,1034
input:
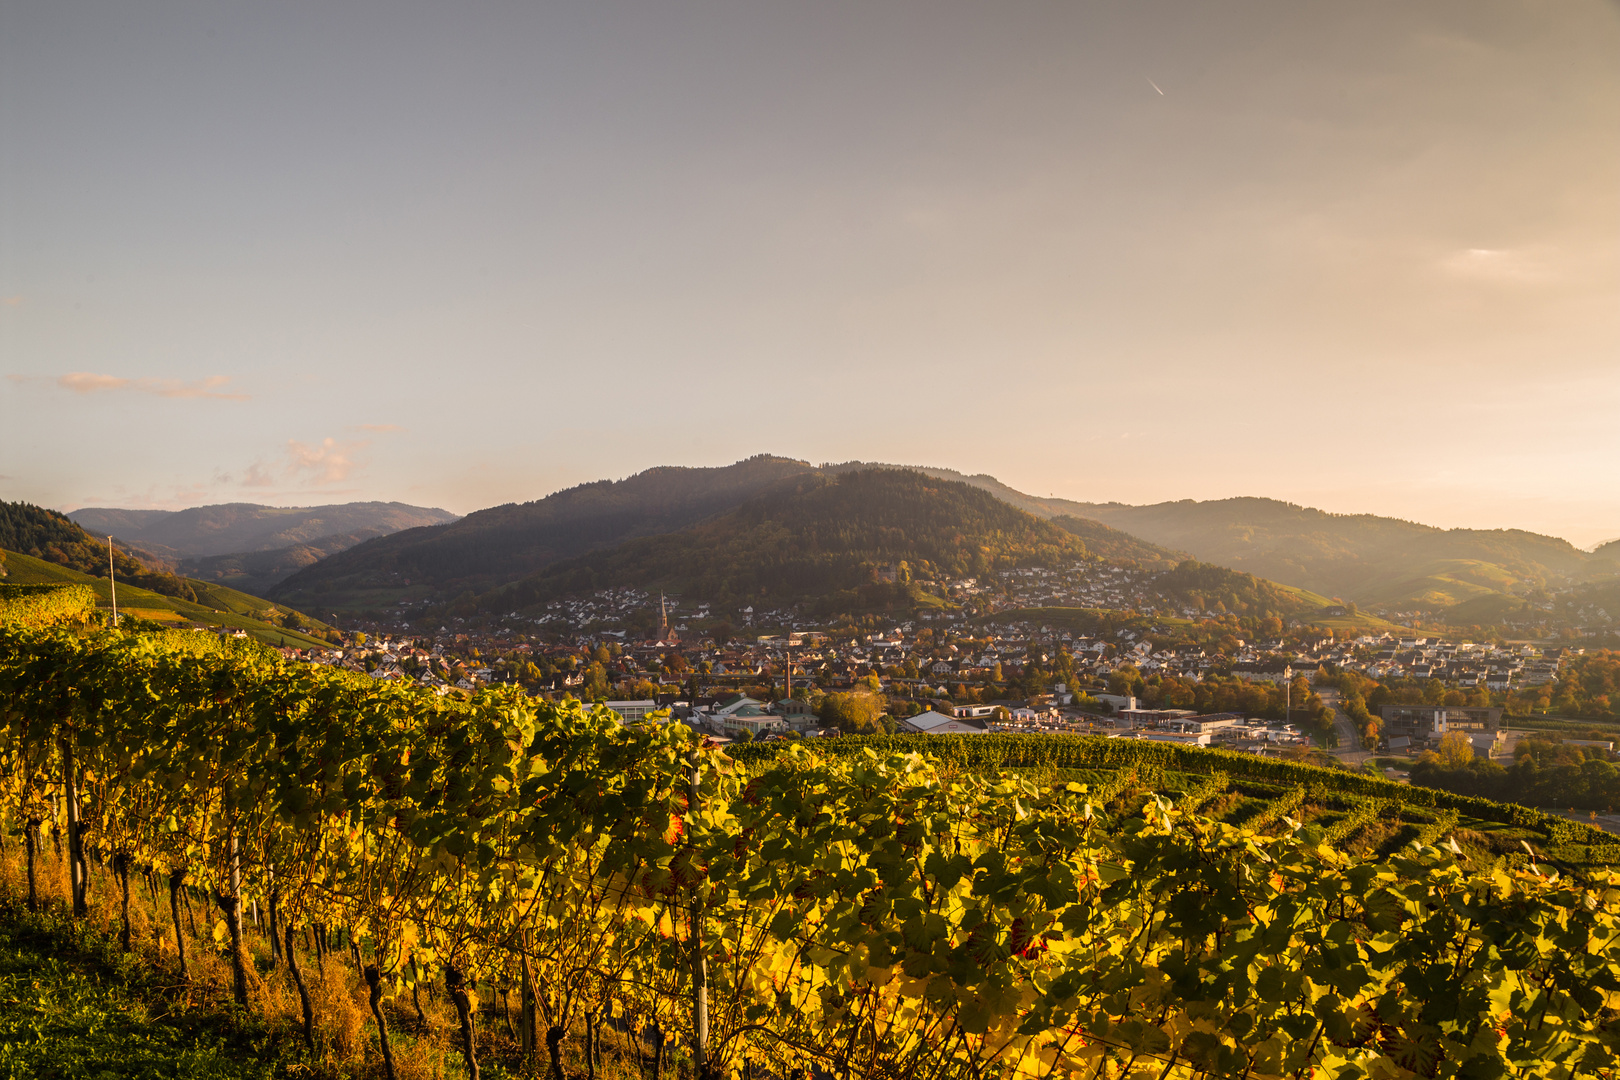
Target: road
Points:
x,y
1349,749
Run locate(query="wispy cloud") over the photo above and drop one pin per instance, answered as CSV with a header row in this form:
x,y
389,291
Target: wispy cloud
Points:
x,y
329,462
1496,264
303,466
87,382
259,476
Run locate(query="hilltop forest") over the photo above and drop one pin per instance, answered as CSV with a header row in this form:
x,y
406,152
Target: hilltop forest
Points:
x,y
872,540
499,545
819,540
45,534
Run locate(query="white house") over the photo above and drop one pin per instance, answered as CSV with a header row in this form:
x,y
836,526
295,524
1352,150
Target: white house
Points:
x,y
632,710
933,723
756,725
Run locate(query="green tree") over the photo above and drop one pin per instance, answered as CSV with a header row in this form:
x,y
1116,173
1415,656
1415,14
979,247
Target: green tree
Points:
x,y
596,683
1456,748
852,712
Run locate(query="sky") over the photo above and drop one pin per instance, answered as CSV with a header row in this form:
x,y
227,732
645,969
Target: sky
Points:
x,y
1359,256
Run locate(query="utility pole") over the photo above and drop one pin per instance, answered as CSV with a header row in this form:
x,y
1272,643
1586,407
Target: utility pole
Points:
x,y
112,583
700,963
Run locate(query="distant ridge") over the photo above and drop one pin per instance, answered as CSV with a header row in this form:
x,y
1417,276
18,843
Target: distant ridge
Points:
x,y
1360,557
229,528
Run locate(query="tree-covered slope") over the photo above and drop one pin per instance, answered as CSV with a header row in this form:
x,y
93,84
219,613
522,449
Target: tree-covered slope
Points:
x,y
817,537
504,543
260,571
48,535
1116,546
1360,557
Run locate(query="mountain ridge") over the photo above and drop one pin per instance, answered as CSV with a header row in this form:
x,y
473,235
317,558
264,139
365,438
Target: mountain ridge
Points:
x,y
500,544
1366,558
856,540
235,528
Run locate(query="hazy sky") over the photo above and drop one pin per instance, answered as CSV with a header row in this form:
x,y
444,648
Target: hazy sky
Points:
x,y
1360,255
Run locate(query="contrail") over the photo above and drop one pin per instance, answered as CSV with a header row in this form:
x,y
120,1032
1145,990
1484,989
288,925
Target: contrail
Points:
x,y
1156,87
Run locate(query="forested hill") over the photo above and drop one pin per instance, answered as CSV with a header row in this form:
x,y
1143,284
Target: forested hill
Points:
x,y
233,528
48,535
1120,547
1360,557
493,547
826,540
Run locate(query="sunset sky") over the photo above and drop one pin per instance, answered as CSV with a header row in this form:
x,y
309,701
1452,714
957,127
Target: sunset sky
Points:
x,y
1363,256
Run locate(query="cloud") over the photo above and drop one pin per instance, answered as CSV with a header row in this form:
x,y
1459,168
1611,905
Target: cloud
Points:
x,y
303,466
379,428
258,476
1495,264
328,463
82,382
86,382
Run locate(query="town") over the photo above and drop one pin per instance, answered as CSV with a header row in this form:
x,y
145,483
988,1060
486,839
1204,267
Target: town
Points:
x,y
977,666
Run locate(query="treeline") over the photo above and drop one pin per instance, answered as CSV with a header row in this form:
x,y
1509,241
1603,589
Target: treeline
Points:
x,y
819,539
1270,701
45,534
1545,772
1588,686
872,915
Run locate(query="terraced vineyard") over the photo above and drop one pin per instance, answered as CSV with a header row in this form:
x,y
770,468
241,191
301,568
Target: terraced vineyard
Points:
x,y
217,605
1365,815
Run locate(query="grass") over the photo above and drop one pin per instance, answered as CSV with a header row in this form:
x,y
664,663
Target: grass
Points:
x,y
1443,583
74,1004
219,606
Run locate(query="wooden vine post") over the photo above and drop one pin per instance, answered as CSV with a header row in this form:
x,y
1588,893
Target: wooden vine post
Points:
x,y
76,867
700,963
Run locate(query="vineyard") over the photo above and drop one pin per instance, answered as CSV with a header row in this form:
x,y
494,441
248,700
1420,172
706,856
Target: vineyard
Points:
x,y
1374,816
856,910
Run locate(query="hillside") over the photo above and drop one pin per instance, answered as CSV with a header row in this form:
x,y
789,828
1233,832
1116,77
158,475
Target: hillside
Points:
x,y
48,535
215,605
493,547
260,571
230,528
879,539
1116,546
1030,504
825,540
1395,565
1361,557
